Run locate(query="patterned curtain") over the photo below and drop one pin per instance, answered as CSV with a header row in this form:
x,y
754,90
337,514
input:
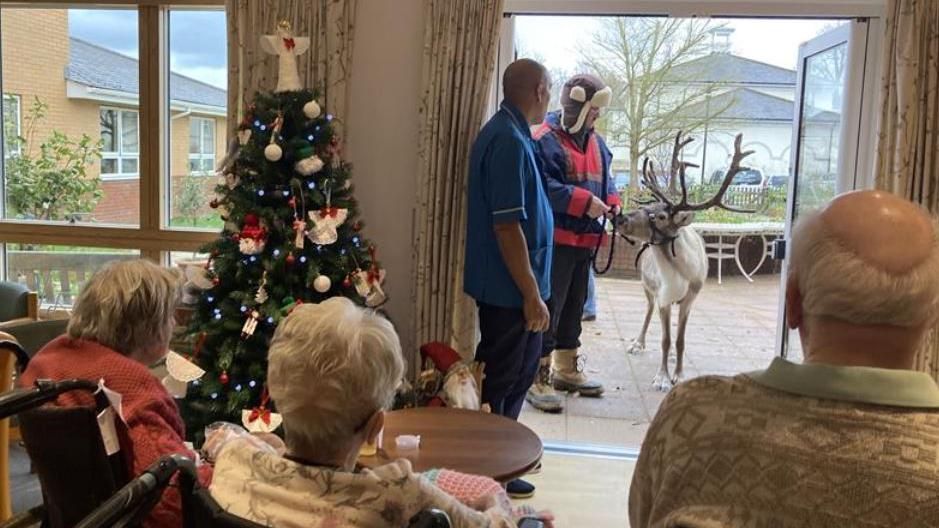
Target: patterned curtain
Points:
x,y
908,144
325,67
460,44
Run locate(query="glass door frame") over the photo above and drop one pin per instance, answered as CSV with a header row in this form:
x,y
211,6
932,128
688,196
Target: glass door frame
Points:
x,y
858,125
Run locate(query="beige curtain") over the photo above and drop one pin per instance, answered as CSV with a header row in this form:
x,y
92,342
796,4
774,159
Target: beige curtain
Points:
x,y
908,149
460,44
325,67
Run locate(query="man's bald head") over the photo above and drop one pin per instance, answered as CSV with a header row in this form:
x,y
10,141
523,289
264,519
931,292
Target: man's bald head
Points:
x,y
526,84
869,258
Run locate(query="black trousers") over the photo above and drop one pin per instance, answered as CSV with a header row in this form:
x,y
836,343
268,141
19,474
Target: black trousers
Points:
x,y
511,354
570,273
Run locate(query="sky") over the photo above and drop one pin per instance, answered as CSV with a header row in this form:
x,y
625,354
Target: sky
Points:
x,y
555,38
198,41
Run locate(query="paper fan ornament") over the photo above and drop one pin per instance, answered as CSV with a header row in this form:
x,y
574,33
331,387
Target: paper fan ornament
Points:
x,y
181,372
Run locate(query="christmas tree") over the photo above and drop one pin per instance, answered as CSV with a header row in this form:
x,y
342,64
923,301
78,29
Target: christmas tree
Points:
x,y
290,237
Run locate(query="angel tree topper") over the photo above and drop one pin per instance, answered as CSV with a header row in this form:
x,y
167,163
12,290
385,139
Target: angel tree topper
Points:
x,y
286,47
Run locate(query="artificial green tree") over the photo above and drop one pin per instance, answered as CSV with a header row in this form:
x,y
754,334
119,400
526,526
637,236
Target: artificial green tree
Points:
x,y
291,236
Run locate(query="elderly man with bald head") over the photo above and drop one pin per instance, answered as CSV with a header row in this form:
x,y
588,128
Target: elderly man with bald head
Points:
x,y
849,437
509,235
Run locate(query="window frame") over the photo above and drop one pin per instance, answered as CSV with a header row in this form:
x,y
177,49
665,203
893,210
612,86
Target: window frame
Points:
x,y
16,98
202,156
120,156
153,236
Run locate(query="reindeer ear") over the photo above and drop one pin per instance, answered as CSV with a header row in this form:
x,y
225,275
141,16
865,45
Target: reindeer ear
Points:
x,y
683,218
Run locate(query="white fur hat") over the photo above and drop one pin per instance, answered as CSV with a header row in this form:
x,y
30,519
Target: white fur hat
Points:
x,y
581,93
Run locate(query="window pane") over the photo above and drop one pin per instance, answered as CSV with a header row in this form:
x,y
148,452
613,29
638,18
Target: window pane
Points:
x,y
208,136
129,136
57,272
75,71
11,125
198,83
194,134
128,165
109,130
109,166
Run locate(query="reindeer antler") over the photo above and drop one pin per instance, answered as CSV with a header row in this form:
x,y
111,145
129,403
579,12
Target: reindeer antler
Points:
x,y
717,199
650,179
651,182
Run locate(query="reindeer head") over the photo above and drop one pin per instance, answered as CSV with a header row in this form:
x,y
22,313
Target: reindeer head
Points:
x,y
658,220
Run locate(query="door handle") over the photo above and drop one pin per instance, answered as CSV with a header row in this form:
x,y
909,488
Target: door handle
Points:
x,y
779,249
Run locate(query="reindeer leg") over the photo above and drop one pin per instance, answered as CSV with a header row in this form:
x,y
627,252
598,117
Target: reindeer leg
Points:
x,y
684,310
662,381
638,346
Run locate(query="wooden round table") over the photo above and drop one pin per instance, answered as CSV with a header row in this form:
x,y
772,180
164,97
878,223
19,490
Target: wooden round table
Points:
x,y
467,441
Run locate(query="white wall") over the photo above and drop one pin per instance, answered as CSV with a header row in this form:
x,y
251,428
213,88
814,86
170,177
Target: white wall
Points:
x,y
382,140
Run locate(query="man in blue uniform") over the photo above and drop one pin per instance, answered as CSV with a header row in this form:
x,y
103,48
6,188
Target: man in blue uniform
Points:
x,y
509,244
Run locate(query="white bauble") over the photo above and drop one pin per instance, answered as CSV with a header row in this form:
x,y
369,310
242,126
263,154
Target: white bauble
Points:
x,y
322,284
308,166
312,110
273,152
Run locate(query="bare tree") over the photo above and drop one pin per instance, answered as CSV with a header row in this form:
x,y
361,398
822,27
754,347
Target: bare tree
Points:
x,y
637,57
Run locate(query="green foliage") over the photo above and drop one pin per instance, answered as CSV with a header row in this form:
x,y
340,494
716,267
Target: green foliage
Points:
x,y
769,203
53,183
189,200
265,190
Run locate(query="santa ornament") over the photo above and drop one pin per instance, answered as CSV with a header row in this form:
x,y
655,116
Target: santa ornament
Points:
x,y
309,163
253,236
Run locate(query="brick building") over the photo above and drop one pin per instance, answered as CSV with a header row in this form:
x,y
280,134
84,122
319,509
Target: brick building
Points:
x,y
92,90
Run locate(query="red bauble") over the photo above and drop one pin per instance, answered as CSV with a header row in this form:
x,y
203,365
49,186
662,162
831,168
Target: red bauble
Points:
x,y
356,227
347,282
292,202
213,204
290,259
236,237
215,281
223,379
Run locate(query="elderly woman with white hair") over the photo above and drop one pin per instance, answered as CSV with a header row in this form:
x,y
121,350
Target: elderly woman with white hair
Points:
x,y
332,370
121,323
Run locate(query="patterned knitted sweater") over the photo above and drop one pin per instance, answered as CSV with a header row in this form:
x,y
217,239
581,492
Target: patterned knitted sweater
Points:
x,y
253,483
154,426
729,452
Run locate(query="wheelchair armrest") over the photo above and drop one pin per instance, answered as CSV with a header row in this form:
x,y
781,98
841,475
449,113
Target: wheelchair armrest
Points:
x,y
430,519
44,391
528,522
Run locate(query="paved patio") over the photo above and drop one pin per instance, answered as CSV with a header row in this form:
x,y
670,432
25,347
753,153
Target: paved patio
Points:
x,y
732,329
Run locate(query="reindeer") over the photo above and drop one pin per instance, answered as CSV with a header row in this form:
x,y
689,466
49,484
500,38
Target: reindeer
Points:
x,y
674,268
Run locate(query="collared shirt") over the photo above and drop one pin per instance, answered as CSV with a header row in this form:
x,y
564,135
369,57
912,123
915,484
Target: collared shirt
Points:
x,y
894,387
505,186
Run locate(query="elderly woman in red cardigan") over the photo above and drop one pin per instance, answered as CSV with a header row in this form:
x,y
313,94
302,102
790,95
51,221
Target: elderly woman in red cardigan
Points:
x,y
121,324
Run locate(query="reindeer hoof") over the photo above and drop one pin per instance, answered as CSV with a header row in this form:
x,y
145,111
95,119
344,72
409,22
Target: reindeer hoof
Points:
x,y
678,378
636,348
661,382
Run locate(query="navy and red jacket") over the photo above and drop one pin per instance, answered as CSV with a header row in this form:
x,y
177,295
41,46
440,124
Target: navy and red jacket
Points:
x,y
572,176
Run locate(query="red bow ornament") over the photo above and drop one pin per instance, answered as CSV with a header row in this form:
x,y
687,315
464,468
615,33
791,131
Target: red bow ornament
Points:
x,y
289,44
